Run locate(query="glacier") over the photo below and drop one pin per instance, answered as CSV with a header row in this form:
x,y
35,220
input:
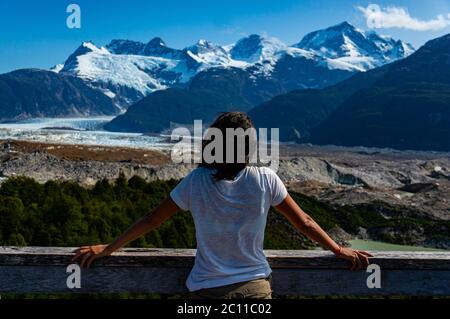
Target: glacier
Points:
x,y
78,131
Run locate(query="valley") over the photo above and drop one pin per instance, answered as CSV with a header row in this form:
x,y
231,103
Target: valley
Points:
x,y
105,110
98,117
406,191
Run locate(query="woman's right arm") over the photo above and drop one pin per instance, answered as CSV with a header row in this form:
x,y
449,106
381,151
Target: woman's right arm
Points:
x,y
87,254
305,224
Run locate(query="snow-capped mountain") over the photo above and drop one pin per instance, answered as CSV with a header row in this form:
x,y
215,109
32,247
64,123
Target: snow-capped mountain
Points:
x,y
209,54
128,70
260,54
345,46
256,48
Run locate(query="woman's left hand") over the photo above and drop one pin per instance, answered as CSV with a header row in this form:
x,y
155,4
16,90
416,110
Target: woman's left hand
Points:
x,y
358,258
87,254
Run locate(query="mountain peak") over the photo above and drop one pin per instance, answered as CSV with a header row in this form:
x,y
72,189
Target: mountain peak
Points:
x,y
343,25
119,46
257,48
203,42
333,36
203,46
89,46
157,47
255,37
156,42
247,49
85,48
365,50
441,42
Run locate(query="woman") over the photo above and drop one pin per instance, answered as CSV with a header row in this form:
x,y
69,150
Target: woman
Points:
x,y
229,203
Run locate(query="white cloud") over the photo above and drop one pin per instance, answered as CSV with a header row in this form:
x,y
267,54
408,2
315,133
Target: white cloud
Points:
x,y
397,17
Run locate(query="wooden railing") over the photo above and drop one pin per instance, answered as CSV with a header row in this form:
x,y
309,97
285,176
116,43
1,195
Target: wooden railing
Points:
x,y
295,272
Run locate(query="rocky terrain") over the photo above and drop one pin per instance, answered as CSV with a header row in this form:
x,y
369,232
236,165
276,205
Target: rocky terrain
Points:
x,y
413,181
417,182
84,164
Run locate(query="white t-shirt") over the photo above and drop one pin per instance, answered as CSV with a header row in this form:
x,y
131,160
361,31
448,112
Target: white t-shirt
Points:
x,y
230,219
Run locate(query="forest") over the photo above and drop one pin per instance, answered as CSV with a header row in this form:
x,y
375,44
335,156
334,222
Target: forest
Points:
x,y
67,214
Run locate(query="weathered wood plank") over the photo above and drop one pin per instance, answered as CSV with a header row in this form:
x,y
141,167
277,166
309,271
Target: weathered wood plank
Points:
x,y
43,269
132,257
312,282
319,282
52,279
179,258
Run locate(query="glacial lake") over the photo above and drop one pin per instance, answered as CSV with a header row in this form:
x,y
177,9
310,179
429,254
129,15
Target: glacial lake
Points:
x,y
84,131
379,246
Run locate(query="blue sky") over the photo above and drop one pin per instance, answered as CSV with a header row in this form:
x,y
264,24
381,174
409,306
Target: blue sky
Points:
x,y
34,33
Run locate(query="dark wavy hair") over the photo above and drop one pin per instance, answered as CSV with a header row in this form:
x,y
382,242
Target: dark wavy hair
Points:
x,y
228,170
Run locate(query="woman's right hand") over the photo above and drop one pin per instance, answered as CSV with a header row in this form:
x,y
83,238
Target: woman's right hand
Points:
x,y
358,258
87,254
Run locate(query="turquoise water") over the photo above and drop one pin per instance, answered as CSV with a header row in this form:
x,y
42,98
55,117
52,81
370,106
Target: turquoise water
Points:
x,y
379,246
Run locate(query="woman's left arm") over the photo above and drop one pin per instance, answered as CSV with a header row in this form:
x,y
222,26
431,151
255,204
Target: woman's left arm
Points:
x,y
87,254
304,223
